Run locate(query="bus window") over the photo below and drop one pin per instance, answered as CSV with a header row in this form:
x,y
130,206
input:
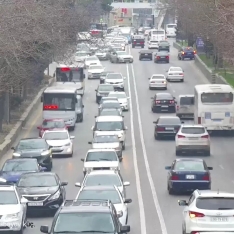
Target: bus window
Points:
x,y
217,97
69,75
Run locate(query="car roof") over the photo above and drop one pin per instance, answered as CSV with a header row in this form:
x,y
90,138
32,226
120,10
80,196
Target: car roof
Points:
x,y
100,150
109,118
99,187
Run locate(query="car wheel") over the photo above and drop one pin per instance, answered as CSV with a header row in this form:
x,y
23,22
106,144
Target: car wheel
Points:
x,y
182,80
111,61
71,155
50,166
123,146
72,128
170,190
179,57
81,118
154,110
97,101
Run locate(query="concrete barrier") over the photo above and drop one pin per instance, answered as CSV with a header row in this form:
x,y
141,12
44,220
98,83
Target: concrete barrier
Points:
x,y
203,68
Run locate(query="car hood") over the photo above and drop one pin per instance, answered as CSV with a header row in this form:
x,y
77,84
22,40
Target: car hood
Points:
x,y
114,80
97,164
30,153
96,71
9,209
65,115
13,176
105,145
58,142
37,190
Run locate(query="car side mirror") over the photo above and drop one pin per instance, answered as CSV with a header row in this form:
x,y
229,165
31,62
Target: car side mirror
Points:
x,y
24,200
155,122
148,78
90,143
44,229
126,183
84,76
125,128
210,168
182,203
152,98
125,229
96,90
83,106
182,122
50,147
168,168
72,137
78,184
92,128
124,78
128,201
64,183
82,160
41,99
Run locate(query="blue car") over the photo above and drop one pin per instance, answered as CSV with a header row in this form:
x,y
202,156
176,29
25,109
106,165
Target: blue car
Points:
x,y
186,53
14,168
187,175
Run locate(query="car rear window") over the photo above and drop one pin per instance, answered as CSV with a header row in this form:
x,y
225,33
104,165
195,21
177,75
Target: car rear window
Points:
x,y
187,101
189,166
158,77
169,121
188,50
193,130
215,203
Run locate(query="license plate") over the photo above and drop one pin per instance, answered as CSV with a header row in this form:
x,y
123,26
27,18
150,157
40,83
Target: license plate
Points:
x,y
146,54
189,53
162,57
190,177
219,219
193,138
164,106
35,204
172,129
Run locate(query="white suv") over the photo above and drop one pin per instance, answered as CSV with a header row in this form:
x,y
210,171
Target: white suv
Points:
x,y
208,211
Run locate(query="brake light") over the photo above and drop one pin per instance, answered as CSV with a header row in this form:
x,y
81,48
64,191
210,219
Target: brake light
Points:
x,y
158,57
181,74
206,178
195,232
174,177
50,107
181,136
194,52
157,102
64,69
142,42
193,214
199,120
167,57
206,136
182,52
134,42
172,101
177,107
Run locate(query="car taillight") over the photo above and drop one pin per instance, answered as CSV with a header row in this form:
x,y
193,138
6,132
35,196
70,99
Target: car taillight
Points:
x,y
142,42
158,57
134,42
195,232
167,57
177,107
160,129
206,178
194,52
172,101
199,120
174,177
152,82
193,214
157,102
181,136
181,74
182,53
206,136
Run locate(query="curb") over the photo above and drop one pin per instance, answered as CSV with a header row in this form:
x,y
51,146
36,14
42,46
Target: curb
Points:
x,y
207,72
14,133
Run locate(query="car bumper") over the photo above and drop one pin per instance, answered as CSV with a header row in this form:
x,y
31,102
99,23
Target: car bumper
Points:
x,y
158,86
164,108
175,78
189,185
92,76
193,147
66,151
11,226
128,60
146,57
140,45
188,56
153,47
166,134
162,60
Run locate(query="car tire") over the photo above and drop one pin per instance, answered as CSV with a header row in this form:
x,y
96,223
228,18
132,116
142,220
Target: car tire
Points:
x,y
123,146
111,61
50,166
156,137
72,128
97,101
153,110
165,88
133,46
182,80
139,59
179,57
82,118
170,190
177,153
168,61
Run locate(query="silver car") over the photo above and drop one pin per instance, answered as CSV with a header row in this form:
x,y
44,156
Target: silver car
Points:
x,y
110,105
122,98
175,74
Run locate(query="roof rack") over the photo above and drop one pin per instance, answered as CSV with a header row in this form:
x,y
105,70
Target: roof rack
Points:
x,y
86,202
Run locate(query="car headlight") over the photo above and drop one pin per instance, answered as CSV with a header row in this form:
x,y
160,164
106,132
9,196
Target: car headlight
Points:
x,y
12,216
55,196
45,153
16,154
68,144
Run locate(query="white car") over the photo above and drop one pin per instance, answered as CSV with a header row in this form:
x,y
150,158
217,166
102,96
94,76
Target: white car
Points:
x,y
94,71
80,56
153,44
123,57
157,81
107,142
96,159
92,60
118,40
60,141
105,178
122,98
192,138
208,211
102,55
175,74
107,193
115,79
118,45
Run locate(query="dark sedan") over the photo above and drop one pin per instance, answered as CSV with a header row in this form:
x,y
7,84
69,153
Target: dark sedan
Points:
x,y
166,126
145,54
163,46
163,102
103,91
34,148
162,56
187,175
103,76
186,53
44,191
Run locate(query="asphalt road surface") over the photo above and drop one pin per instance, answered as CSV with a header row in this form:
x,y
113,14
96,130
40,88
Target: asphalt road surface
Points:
x,y
153,210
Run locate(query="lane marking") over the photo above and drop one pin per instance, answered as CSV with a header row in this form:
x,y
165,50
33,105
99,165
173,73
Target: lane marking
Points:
x,y
148,171
221,167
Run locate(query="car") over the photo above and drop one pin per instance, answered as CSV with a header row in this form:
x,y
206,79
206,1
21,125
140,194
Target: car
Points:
x,y
95,216
161,56
157,81
13,209
103,99
138,40
192,138
116,79
215,206
121,57
101,54
175,74
164,46
80,109
111,125
103,76
185,106
43,191
103,90
110,104
94,71
163,102
51,124
186,53
110,112
34,148
13,169
100,159
107,142
107,192
187,175
80,56
60,142
152,44
122,99
91,60
105,178
145,54
166,126
117,46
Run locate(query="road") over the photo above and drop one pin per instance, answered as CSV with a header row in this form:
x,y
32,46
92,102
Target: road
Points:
x,y
153,210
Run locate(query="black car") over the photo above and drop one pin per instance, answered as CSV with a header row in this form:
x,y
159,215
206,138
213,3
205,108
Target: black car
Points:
x,y
44,191
163,46
138,40
145,54
13,169
103,91
163,102
186,53
80,109
166,126
162,56
103,76
34,148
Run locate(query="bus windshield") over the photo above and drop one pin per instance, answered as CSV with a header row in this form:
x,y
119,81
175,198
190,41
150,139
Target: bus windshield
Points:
x,y
158,32
216,98
59,101
69,75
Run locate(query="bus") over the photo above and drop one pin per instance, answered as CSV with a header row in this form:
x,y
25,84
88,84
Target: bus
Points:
x,y
214,107
157,35
171,30
61,102
71,75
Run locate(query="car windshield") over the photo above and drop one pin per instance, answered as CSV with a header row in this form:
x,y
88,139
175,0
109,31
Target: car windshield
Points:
x,y
30,144
92,59
53,124
118,95
21,165
175,69
108,104
110,112
8,198
122,53
87,222
101,156
105,88
106,139
104,180
95,67
169,121
114,76
215,203
157,77
56,136
191,165
100,195
193,130
37,181
110,126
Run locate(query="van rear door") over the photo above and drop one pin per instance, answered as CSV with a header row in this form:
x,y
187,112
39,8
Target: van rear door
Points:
x,y
185,107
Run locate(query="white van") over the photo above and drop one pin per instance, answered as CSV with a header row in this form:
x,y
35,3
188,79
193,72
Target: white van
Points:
x,y
171,30
157,35
185,107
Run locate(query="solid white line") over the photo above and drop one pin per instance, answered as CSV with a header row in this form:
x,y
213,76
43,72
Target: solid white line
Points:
x,y
150,178
136,170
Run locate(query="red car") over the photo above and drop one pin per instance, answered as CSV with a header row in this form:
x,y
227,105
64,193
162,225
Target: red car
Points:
x,y
51,124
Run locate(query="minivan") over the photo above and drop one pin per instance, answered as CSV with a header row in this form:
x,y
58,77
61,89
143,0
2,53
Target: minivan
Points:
x,y
185,107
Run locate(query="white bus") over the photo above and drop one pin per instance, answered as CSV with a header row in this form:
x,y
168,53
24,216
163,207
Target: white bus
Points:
x,y
157,35
171,30
214,107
